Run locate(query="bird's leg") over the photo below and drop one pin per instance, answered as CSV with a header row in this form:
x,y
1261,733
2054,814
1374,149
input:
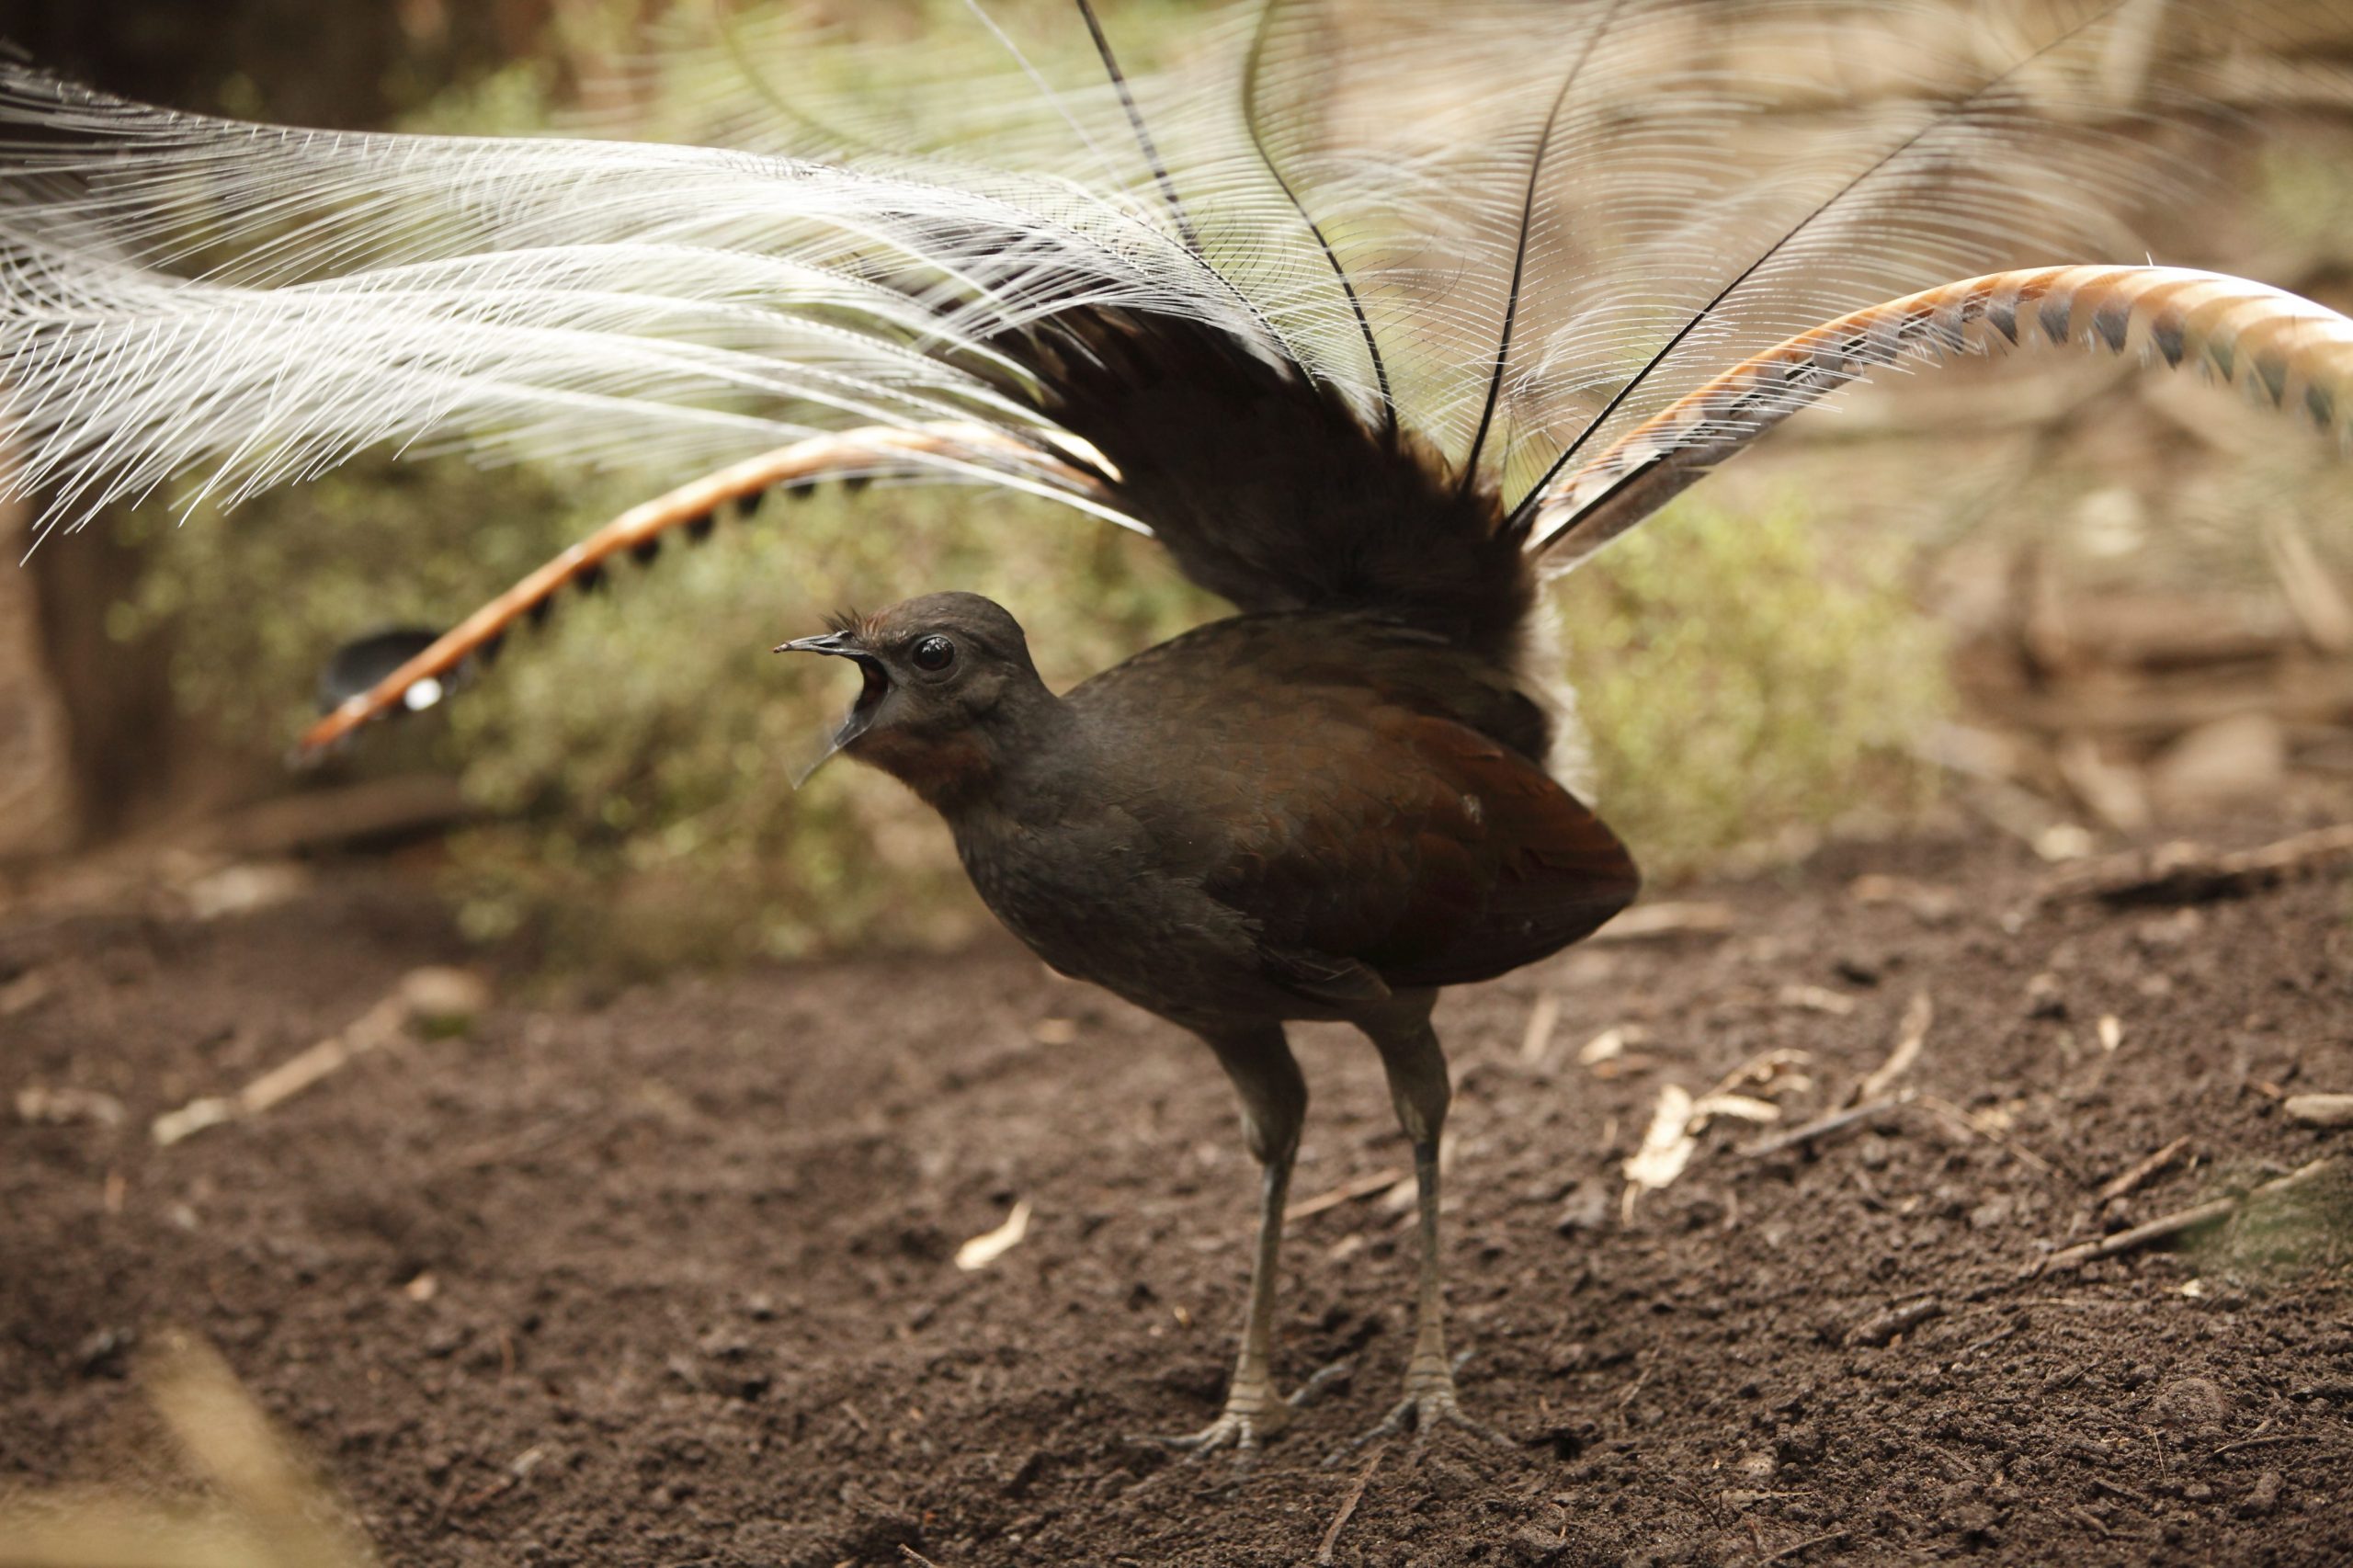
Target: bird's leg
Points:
x,y
1420,1089
1274,1103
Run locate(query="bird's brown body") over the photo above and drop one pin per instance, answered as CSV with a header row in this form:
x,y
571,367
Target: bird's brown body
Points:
x,y
1286,816
1290,815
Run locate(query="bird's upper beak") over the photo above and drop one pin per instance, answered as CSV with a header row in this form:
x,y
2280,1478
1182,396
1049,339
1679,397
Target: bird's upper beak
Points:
x,y
845,644
876,686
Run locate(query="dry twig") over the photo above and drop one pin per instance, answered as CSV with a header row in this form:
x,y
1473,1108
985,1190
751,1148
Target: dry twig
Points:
x,y
2139,1176
1911,1035
2190,873
1823,1126
427,993
1894,1320
1536,1044
2174,1223
1806,1545
1987,1129
1348,1505
1371,1185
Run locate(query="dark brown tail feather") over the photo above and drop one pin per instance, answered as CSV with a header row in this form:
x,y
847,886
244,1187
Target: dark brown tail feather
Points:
x,y
1270,489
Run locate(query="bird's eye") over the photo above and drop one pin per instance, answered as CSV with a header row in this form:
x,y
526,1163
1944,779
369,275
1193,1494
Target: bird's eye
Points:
x,y
934,654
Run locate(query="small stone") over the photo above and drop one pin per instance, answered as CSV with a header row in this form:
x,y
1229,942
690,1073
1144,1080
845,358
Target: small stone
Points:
x,y
2190,1405
2166,933
102,1354
1703,1212
2262,1498
2043,999
1800,1444
2239,759
444,1000
1991,1215
1534,1547
1588,1211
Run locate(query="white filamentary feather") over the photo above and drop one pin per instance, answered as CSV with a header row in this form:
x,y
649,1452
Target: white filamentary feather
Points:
x,y
1516,230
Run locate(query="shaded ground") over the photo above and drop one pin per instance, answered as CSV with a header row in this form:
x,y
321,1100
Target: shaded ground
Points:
x,y
670,1280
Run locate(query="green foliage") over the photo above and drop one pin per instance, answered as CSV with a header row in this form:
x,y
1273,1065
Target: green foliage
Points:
x,y
633,759
1746,674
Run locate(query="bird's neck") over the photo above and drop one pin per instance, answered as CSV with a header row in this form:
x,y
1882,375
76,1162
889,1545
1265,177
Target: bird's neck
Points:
x,y
1010,760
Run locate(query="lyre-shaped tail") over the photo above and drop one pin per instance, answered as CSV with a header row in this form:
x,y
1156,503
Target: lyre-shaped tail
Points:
x,y
948,450
2286,350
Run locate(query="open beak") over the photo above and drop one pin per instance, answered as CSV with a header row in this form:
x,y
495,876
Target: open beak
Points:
x,y
875,686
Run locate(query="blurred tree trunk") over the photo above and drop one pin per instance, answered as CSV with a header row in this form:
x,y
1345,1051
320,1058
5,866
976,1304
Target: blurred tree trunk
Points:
x,y
91,745
326,62
37,812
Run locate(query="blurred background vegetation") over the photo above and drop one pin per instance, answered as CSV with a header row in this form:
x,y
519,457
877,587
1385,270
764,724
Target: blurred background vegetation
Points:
x,y
1876,621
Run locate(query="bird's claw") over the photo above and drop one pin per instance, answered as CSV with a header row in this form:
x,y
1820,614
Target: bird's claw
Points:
x,y
1247,1421
1426,1408
1242,1432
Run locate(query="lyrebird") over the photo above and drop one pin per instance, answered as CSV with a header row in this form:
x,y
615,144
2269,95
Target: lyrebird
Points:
x,y
1372,315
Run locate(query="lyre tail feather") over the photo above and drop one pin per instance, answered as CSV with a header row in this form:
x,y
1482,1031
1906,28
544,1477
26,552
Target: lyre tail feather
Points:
x,y
971,451
2288,351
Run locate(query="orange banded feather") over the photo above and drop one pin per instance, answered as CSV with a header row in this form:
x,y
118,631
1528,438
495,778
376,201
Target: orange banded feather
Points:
x,y
941,449
2286,350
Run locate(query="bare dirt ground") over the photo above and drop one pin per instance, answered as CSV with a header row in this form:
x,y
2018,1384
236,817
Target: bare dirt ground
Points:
x,y
668,1277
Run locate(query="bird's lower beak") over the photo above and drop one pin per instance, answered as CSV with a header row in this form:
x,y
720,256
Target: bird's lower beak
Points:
x,y
876,686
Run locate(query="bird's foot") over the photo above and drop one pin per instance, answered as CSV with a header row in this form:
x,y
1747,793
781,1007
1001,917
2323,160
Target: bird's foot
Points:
x,y
1241,1430
1429,1402
1252,1414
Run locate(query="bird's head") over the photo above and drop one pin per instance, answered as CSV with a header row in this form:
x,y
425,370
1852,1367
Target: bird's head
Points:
x,y
947,690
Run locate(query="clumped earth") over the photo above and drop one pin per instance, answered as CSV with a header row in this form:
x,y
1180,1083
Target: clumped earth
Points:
x,y
669,1276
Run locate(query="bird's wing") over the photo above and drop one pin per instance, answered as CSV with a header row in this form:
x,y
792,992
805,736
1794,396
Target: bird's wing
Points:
x,y
2284,351
1483,863
1412,832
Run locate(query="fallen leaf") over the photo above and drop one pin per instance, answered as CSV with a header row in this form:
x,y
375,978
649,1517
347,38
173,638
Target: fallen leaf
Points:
x,y
1649,921
245,889
989,1246
1610,1044
60,1108
2320,1110
1668,1146
1816,999
1746,1107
